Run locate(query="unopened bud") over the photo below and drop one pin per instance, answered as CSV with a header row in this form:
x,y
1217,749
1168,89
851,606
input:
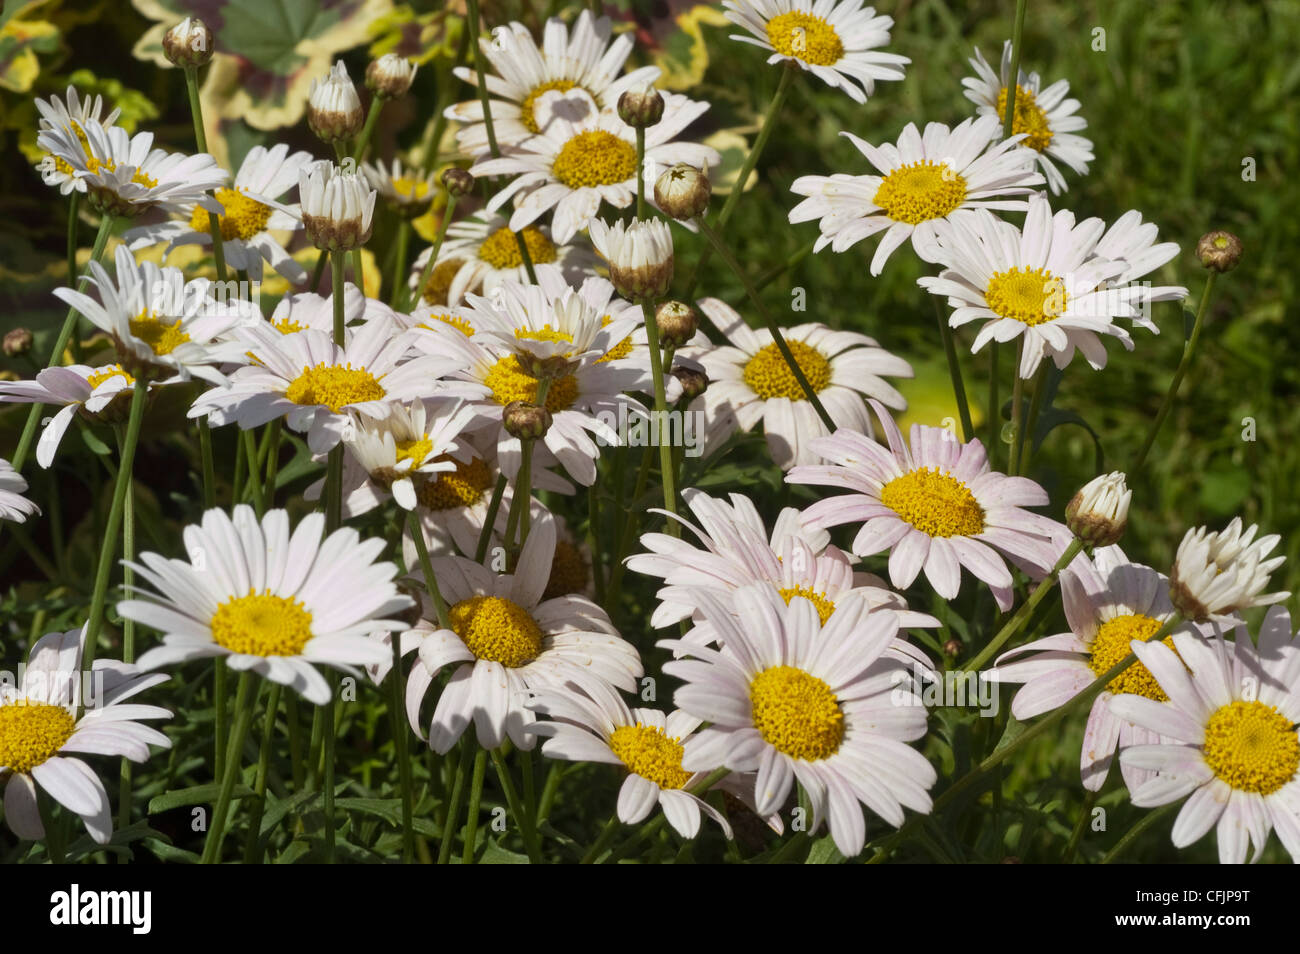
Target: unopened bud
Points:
x,y
952,649
1219,251
640,256
683,192
641,106
390,76
188,43
457,181
528,422
333,107
1098,513
17,342
677,323
694,381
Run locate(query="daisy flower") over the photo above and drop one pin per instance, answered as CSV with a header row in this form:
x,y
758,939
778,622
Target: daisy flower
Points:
x,y
1231,740
125,176
77,387
506,639
588,59
1217,575
923,179
795,700
161,324
317,386
408,192
1131,241
268,601
584,156
751,383
13,505
487,255
1046,119
41,736
835,41
1110,606
72,116
936,507
1043,285
250,210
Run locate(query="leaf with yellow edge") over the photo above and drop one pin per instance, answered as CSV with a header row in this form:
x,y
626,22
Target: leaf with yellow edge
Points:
x,y
733,148
682,53
20,42
418,37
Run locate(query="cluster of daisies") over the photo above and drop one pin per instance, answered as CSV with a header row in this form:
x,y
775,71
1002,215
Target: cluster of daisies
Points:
x,y
507,361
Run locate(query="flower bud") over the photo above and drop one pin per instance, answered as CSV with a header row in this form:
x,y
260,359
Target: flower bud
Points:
x,y
640,256
693,380
390,76
528,422
188,43
17,342
333,107
1218,575
1219,251
1098,513
337,207
683,192
952,649
457,181
641,106
677,323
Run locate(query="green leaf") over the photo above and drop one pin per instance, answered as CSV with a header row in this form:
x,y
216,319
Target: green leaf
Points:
x,y
494,854
198,795
824,852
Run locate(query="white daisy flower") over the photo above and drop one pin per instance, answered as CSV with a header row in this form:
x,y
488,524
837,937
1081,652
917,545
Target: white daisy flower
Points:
x,y
924,178
125,176
317,386
835,40
41,736
588,59
268,601
751,384
1042,284
337,207
1045,117
584,156
161,324
13,505
1110,605
72,116
487,255
250,211
936,507
77,387
1133,243
406,190
504,640
1218,575
795,700
1230,722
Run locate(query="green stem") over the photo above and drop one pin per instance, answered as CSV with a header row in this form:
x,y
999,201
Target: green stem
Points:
x,y
668,473
1017,413
1136,832
372,118
602,841
221,718
272,462
201,140
317,273
74,208
128,629
1008,122
1031,422
489,522
994,411
525,256
629,531
640,173
254,472
398,294
1085,813
402,750
453,803
433,252
209,469
334,464
251,854
426,567
474,28
954,371
331,731
522,818
245,700
475,795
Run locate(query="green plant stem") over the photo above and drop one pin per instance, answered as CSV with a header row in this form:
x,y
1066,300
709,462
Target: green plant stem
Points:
x,y
402,750
1031,422
474,30
433,253
1189,350
453,803
640,173
760,143
522,818
1089,799
254,472
954,371
668,473
994,411
372,118
1017,413
209,470
128,629
318,272
108,547
475,797
426,567
768,319
398,294
525,256
602,841
334,463
251,854
74,210
489,522
201,141
221,723
1016,622
1134,833
245,701
1008,121
629,530
330,733
272,462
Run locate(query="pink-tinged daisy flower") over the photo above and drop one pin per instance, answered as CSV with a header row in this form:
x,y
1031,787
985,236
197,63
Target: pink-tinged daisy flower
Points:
x,y
936,507
76,387
1133,242
268,601
1045,117
41,735
751,383
835,40
794,700
1110,605
1218,575
924,178
506,639
1230,722
13,505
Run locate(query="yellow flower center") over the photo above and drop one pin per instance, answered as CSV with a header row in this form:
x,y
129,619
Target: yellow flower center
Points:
x,y
569,573
1028,295
935,503
1029,118
287,326
162,338
32,732
501,250
462,487
805,37
243,218
509,382
595,158
436,288
460,324
526,107
650,753
768,375
1111,645
260,624
107,373
1251,746
410,188
415,451
796,713
497,629
544,333
620,350
334,386
920,191
824,606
